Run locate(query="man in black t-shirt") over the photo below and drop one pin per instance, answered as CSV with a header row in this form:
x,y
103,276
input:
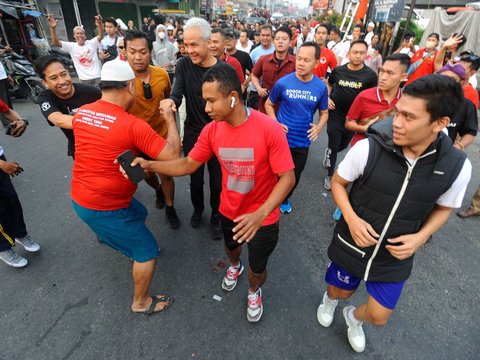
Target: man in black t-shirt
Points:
x,y
344,84
62,99
188,82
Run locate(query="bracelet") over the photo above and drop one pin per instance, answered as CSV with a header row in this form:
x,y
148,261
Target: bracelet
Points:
x,y
462,148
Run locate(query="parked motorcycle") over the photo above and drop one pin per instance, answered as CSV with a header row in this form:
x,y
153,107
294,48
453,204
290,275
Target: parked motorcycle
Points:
x,y
26,83
65,58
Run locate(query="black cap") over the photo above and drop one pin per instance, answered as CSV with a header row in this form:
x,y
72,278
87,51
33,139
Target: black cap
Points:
x,y
230,33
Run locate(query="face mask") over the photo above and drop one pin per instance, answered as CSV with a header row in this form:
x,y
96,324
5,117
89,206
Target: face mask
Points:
x,y
430,44
162,35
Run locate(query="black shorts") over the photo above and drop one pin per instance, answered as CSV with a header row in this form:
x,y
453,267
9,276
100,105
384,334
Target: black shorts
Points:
x,y
259,248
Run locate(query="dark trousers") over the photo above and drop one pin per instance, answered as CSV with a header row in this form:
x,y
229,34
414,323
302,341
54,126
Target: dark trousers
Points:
x,y
338,140
11,213
196,179
299,156
5,97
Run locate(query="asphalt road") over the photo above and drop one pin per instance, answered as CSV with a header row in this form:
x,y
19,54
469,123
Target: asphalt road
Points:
x,y
73,299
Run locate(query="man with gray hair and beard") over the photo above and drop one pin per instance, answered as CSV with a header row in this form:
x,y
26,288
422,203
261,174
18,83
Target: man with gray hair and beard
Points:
x,y
188,82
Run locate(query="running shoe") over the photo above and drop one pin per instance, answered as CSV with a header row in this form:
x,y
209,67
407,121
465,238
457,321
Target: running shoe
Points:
x,y
356,336
337,214
230,280
285,207
326,158
255,306
326,311
28,243
13,259
196,219
326,183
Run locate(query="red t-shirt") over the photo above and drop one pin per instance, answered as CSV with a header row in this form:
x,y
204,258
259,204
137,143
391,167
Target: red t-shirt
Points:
x,y
251,155
103,131
471,94
269,71
427,67
236,66
3,107
327,60
367,104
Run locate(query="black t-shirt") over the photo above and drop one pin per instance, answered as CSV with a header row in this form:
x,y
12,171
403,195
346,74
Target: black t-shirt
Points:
x,y
346,85
244,59
188,82
464,122
50,103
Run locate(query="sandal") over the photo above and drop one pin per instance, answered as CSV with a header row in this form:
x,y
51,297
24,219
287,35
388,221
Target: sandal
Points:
x,y
155,300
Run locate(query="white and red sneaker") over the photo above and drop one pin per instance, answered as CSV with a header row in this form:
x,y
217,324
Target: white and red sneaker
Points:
x,y
255,306
230,279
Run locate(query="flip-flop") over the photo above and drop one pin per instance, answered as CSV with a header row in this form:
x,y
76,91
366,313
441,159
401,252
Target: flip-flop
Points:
x,y
155,301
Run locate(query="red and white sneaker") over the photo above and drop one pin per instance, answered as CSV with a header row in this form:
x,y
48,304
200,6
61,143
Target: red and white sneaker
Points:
x,y
255,306
230,280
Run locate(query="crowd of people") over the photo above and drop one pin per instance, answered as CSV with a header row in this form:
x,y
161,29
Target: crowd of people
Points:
x,y
246,99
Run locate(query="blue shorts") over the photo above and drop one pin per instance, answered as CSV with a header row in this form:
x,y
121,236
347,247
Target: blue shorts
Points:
x,y
386,293
123,230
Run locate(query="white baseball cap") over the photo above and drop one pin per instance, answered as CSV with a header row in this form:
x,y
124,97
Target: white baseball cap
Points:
x,y
117,70
371,24
170,27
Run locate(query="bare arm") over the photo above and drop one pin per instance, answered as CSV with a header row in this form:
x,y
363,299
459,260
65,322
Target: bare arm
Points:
x,y
20,125
270,109
464,141
315,130
61,120
99,24
172,148
53,29
256,82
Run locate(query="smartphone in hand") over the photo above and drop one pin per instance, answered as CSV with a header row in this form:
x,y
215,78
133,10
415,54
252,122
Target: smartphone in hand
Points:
x,y
135,173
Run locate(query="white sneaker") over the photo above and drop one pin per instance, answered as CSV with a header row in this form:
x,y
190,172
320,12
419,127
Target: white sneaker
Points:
x,y
327,183
13,259
230,279
255,306
356,336
326,310
326,158
28,243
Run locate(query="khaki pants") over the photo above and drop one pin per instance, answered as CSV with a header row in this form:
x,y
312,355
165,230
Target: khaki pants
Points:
x,y
476,200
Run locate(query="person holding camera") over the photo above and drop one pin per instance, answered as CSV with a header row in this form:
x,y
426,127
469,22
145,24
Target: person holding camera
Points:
x,y
108,45
12,224
83,52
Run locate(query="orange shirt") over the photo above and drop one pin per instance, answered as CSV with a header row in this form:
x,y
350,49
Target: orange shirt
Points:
x,y
147,109
471,94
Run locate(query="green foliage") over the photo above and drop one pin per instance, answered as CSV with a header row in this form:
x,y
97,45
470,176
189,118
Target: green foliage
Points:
x,y
335,18
412,28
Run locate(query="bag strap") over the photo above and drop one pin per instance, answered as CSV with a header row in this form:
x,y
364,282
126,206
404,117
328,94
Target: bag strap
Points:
x,y
419,62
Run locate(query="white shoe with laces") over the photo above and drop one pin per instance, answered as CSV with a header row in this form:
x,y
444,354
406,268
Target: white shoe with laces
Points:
x,y
11,258
326,311
255,306
28,243
356,336
230,279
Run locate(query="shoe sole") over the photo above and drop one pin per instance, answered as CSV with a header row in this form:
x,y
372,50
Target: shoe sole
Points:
x,y
234,285
14,265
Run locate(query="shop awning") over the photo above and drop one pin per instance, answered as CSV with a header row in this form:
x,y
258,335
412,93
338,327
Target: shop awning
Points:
x,y
9,10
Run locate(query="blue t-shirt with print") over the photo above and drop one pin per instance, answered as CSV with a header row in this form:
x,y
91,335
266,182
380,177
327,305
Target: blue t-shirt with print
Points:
x,y
298,102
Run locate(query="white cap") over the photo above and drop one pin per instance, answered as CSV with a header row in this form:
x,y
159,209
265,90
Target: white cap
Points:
x,y
122,24
117,70
170,27
371,24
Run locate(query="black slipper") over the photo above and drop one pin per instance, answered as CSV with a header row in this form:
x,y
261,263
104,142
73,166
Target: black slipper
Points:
x,y
155,301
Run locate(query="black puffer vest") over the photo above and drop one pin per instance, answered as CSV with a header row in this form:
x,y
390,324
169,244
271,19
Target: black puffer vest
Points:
x,y
395,198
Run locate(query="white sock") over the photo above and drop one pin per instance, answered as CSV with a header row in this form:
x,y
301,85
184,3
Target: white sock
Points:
x,y
352,317
331,300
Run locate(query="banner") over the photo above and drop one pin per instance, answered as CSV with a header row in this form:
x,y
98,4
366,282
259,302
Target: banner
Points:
x,y
388,10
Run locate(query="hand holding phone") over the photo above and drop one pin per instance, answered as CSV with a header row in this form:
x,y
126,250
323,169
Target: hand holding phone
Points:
x,y
135,173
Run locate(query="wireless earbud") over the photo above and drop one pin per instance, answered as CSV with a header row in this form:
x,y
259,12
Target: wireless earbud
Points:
x,y
233,102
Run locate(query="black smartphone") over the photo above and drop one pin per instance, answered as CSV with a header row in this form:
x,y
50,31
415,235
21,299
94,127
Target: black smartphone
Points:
x,y
10,128
135,173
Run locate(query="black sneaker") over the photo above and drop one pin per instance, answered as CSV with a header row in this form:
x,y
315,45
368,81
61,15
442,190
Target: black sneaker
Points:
x,y
172,217
160,201
196,219
217,232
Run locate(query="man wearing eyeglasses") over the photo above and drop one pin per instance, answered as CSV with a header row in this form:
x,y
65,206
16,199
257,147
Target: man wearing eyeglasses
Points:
x,y
153,85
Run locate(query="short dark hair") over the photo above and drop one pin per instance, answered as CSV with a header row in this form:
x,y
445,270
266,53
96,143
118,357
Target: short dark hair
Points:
x,y
112,21
286,30
219,31
137,34
244,31
314,45
473,60
226,77
266,27
44,62
404,60
113,85
359,41
335,30
358,26
442,94
321,25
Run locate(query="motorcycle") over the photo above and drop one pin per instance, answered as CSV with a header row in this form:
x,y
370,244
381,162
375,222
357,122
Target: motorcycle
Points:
x,y
26,83
65,58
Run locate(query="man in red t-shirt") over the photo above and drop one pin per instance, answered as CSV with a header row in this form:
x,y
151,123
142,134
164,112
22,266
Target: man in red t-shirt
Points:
x,y
328,60
471,64
269,68
426,57
257,174
377,103
101,196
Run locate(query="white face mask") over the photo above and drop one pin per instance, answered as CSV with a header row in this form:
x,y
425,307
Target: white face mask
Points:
x,y
162,35
430,44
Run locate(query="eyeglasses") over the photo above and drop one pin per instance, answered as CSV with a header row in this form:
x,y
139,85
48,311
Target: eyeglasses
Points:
x,y
147,91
